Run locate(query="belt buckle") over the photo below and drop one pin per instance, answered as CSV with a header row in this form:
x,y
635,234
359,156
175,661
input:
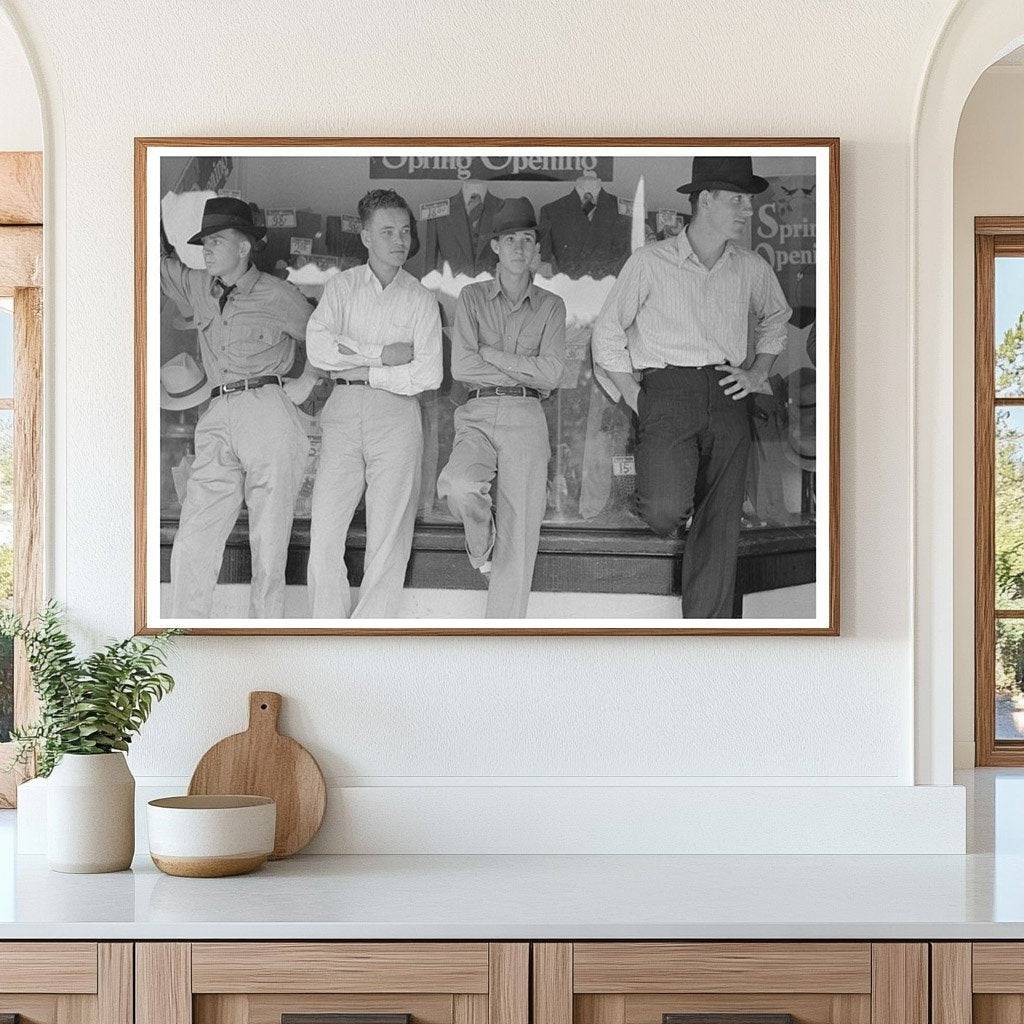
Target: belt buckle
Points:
x,y
232,386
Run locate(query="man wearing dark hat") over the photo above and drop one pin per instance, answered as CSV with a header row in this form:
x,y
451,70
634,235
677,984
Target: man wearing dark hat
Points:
x,y
250,443
678,316
508,347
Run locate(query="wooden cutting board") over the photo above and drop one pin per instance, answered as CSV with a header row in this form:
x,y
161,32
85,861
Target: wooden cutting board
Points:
x,y
262,762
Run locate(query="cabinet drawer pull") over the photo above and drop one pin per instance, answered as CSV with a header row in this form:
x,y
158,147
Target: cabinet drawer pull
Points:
x,y
340,1018
727,1018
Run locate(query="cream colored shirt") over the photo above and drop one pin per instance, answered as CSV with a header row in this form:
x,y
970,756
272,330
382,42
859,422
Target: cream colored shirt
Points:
x,y
357,313
667,309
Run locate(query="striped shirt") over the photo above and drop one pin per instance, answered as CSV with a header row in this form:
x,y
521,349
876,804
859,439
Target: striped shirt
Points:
x,y
357,313
667,309
254,334
525,342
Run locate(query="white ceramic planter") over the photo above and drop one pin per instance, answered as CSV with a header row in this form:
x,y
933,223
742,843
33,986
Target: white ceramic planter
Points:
x,y
90,814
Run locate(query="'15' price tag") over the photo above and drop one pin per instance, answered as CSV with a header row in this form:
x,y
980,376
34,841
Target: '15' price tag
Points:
x,y
623,465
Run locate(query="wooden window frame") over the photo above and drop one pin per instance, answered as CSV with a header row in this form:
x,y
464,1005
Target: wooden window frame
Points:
x,y
21,277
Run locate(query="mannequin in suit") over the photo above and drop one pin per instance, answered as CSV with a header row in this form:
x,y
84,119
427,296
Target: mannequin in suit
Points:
x,y
586,232
457,232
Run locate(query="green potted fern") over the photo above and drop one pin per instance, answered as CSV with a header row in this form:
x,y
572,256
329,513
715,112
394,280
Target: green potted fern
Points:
x,y
89,709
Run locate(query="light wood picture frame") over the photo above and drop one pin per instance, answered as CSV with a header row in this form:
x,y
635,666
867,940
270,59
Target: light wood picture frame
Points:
x,y
597,572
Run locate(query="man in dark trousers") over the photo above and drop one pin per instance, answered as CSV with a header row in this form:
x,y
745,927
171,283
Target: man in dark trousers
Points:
x,y
457,231
686,303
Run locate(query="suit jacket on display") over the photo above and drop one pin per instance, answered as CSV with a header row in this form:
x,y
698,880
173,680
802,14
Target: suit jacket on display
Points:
x,y
448,239
578,245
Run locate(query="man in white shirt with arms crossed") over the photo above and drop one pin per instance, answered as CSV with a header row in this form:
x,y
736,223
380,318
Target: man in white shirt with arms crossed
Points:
x,y
687,302
378,331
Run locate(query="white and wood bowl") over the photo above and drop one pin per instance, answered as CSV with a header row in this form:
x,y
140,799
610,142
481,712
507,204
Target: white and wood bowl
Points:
x,y
211,836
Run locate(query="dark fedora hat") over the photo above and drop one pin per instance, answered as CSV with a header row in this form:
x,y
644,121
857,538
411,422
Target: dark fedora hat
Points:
x,y
730,173
227,212
514,215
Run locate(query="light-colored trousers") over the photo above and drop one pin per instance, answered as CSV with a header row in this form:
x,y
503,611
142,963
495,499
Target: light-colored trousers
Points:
x,y
250,446
372,441
507,436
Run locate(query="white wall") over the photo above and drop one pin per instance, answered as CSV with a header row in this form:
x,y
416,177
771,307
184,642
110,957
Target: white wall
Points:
x,y
988,181
21,123
446,712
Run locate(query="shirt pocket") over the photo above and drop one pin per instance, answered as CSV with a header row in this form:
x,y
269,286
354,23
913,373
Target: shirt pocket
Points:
x,y
246,338
530,334
489,335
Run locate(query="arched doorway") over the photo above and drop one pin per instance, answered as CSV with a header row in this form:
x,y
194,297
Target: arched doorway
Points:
x,y
977,33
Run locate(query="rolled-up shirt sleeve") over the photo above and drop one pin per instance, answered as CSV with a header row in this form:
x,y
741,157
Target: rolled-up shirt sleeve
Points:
x,y
771,313
423,373
297,313
544,370
179,283
328,347
627,295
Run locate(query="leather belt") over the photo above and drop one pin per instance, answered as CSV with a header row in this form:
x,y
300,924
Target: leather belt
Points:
x,y
505,392
352,383
248,384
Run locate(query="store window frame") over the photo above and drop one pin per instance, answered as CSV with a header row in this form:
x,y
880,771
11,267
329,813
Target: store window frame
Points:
x,y
21,273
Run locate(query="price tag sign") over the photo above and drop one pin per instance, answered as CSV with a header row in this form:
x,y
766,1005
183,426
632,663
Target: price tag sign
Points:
x,y
280,218
431,211
301,246
623,465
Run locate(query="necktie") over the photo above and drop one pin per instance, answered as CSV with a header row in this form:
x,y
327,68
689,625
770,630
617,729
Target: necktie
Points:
x,y
475,209
588,205
225,291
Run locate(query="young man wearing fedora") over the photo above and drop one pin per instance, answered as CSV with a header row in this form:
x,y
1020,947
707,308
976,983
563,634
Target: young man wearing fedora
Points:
x,y
377,330
508,347
250,444
678,316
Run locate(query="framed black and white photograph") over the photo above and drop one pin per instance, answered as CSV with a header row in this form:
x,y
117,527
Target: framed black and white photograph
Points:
x,y
505,386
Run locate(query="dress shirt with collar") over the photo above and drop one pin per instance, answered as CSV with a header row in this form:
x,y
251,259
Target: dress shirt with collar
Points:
x,y
255,333
526,340
356,312
667,309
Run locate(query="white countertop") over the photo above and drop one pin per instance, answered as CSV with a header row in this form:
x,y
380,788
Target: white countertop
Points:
x,y
532,897
977,896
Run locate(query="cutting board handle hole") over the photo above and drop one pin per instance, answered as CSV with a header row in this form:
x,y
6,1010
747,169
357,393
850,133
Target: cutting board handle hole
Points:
x,y
263,707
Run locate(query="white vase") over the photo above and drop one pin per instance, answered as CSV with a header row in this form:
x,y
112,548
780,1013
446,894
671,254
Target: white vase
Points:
x,y
90,814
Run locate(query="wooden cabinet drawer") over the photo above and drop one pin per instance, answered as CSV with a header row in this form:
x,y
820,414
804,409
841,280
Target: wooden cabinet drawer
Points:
x,y
48,967
66,982
981,982
258,982
815,982
630,967
340,967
